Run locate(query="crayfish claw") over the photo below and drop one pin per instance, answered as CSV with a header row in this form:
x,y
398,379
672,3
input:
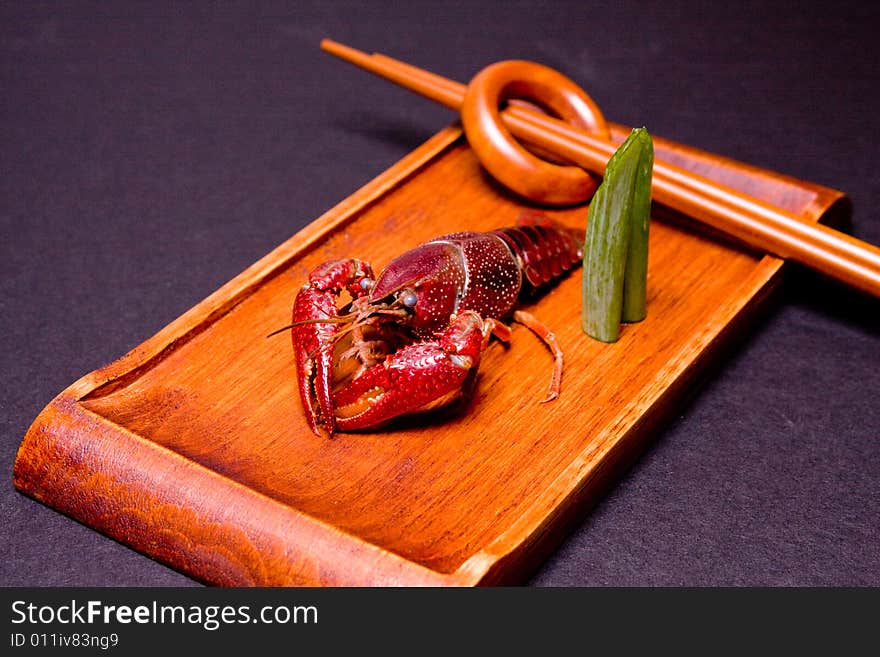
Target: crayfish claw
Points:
x,y
313,348
323,384
314,330
419,377
304,383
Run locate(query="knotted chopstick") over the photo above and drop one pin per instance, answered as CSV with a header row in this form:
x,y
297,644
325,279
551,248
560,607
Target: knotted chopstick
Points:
x,y
755,222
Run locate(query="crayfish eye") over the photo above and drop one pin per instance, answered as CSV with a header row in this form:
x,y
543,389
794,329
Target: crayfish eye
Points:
x,y
408,298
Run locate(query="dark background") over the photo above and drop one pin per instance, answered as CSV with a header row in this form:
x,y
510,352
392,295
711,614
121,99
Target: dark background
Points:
x,y
151,152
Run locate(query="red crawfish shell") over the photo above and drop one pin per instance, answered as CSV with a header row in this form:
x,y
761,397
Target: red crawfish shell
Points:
x,y
435,272
494,278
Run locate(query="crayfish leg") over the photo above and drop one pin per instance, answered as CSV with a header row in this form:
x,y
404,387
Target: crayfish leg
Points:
x,y
548,338
496,328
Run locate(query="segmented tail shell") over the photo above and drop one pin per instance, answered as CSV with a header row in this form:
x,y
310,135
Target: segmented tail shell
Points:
x,y
544,248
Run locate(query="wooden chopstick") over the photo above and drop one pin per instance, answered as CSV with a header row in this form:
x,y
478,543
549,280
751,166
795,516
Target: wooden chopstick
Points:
x,y
755,222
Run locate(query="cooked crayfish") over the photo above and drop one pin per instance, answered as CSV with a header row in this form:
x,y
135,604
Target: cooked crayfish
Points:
x,y
411,338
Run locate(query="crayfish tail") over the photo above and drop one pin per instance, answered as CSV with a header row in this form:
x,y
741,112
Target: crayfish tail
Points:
x,y
545,250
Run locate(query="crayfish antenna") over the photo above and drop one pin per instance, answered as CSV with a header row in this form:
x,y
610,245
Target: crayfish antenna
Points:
x,y
281,330
341,319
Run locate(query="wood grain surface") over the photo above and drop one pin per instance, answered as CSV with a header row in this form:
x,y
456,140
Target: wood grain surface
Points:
x,y
193,448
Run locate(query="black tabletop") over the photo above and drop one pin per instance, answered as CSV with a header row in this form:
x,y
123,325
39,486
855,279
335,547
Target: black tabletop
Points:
x,y
151,152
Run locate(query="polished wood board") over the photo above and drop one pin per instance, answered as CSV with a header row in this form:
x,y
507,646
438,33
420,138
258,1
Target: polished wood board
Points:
x,y
193,448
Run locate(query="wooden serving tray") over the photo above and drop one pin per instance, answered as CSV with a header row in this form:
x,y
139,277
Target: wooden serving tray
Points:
x,y
193,448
